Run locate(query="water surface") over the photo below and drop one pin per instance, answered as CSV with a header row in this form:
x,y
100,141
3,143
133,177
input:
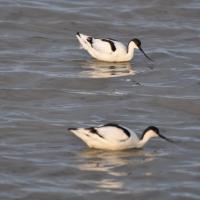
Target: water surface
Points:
x,y
48,84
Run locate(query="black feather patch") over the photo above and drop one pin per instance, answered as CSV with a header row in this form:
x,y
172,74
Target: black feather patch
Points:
x,y
153,128
120,127
112,45
90,40
94,131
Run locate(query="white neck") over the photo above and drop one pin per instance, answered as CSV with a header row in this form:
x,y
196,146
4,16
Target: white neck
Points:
x,y
147,136
130,49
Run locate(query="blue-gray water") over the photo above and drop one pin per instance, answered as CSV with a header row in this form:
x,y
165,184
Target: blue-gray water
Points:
x,y
48,84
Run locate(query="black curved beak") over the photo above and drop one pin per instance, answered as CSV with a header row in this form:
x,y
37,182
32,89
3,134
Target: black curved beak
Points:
x,y
165,138
140,48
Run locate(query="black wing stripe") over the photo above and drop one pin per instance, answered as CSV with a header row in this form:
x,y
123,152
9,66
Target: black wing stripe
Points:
x,y
120,127
90,40
112,45
94,131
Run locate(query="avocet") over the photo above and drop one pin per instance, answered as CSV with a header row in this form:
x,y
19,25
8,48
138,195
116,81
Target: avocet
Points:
x,y
109,50
115,137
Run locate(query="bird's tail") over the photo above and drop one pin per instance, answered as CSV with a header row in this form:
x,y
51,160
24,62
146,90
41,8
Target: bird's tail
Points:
x,y
83,39
79,132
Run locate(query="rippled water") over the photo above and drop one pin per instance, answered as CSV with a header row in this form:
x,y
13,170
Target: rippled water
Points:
x,y
48,84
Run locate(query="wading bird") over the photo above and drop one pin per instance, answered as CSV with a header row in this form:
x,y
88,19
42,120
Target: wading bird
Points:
x,y
115,137
109,50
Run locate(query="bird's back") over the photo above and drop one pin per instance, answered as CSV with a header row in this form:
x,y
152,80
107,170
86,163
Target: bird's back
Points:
x,y
108,136
103,49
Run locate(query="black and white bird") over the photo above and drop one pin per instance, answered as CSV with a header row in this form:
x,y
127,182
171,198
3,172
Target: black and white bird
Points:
x,y
115,137
109,50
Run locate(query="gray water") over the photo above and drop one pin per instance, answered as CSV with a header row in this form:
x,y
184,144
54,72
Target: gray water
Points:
x,y
48,84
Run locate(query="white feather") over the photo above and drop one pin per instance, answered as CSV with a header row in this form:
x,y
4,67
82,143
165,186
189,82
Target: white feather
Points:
x,y
112,133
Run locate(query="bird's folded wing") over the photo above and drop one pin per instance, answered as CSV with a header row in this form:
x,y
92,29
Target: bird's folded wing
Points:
x,y
102,46
112,133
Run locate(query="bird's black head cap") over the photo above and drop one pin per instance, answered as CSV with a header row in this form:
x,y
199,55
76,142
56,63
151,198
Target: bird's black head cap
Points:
x,y
152,128
137,42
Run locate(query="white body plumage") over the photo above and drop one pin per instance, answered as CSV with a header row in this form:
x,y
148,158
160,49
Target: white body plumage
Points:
x,y
115,137
109,50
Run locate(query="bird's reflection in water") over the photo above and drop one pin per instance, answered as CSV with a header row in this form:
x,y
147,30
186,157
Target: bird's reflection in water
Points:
x,y
110,184
112,165
112,161
97,69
